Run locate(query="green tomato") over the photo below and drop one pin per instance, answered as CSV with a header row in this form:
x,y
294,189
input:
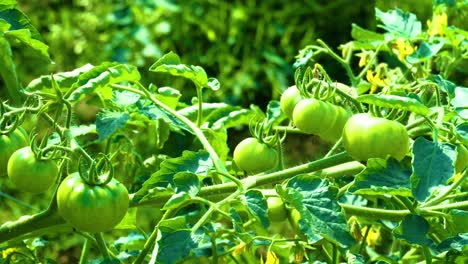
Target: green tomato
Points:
x,y
294,217
462,158
314,116
30,174
365,136
92,208
254,156
9,143
335,132
289,100
276,210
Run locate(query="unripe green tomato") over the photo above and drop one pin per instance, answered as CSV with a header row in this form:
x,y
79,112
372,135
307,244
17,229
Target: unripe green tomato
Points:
x,y
462,158
289,100
336,130
92,208
253,156
9,143
276,210
365,136
294,217
30,174
314,116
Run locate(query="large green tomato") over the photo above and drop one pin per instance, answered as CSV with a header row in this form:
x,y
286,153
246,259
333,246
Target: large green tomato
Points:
x,y
277,212
9,143
365,136
314,116
254,156
335,132
30,174
92,208
289,100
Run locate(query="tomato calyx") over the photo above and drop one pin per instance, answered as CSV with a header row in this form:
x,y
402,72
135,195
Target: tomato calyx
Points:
x,y
100,173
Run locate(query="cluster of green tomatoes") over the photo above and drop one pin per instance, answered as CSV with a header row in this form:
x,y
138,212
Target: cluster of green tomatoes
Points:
x,y
87,206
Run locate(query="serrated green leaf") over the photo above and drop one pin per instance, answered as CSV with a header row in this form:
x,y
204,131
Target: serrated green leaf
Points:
x,y
101,76
175,246
8,70
18,20
170,59
236,219
187,182
318,206
424,52
257,206
218,140
108,122
168,96
458,243
176,200
212,112
399,23
383,177
274,114
365,35
156,113
413,229
432,166
125,98
237,118
198,163
64,79
395,101
445,85
24,37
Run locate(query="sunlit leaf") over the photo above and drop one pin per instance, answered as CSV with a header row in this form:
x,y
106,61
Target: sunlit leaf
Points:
x,y
257,205
400,23
395,101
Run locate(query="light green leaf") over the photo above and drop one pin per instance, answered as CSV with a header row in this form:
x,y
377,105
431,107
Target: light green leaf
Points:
x,y
8,71
445,85
383,177
24,37
102,76
176,200
157,113
257,206
18,20
129,221
108,122
187,182
64,79
432,166
4,26
365,35
460,101
218,140
169,96
318,206
238,117
399,23
395,101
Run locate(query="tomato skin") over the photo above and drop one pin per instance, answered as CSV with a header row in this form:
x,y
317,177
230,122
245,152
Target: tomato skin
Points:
x,y
365,136
254,157
336,131
92,208
30,174
9,143
277,211
289,100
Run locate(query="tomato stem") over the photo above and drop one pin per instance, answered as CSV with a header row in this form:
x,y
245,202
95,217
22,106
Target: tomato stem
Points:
x,y
101,244
84,252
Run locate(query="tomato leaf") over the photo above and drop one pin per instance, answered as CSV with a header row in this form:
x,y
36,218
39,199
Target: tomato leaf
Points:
x,y
361,34
462,133
383,178
218,140
458,243
414,229
176,245
257,206
399,23
24,37
274,114
18,20
198,163
424,52
155,112
129,221
395,101
101,76
444,84
460,101
318,206
124,98
108,122
176,200
8,70
187,182
64,79
432,166
212,112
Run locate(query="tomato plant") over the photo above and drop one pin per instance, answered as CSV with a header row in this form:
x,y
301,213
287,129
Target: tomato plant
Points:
x,y
365,136
92,208
157,172
29,173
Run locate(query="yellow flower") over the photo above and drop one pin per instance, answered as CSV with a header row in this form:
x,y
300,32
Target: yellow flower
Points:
x,y
376,80
403,48
438,25
363,58
373,238
7,252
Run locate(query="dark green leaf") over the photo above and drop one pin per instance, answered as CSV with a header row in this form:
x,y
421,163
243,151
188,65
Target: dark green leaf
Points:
x,y
274,114
458,243
444,84
395,101
102,76
156,113
462,133
424,52
198,163
318,206
414,229
257,206
187,182
108,122
432,166
132,241
218,140
8,70
175,246
24,37
18,20
399,23
459,219
460,101
383,178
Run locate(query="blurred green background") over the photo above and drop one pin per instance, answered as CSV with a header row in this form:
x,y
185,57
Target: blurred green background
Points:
x,y
248,45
